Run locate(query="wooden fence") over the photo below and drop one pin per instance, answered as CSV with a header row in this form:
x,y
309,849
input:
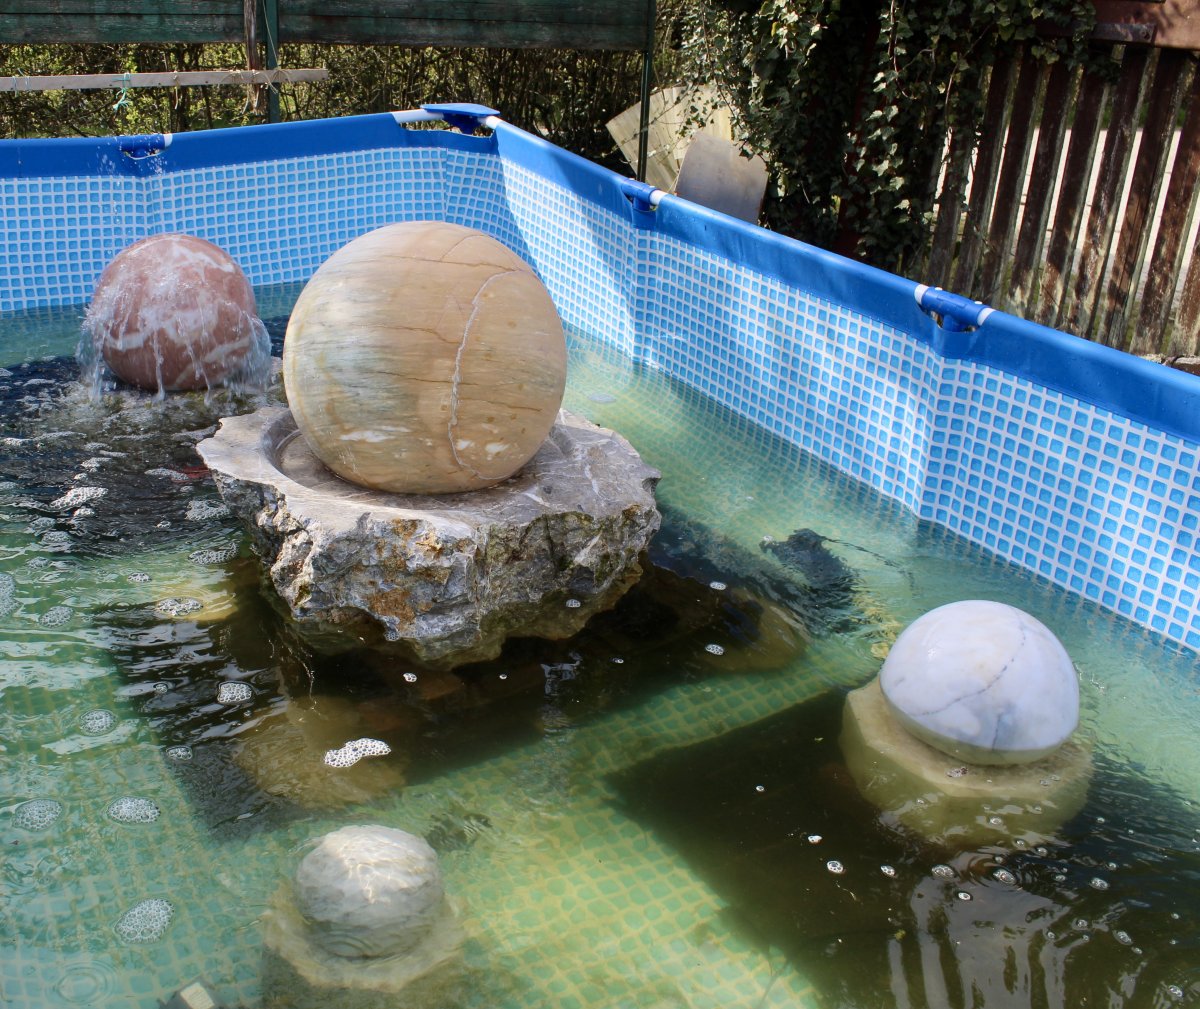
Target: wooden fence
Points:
x,y
568,24
1077,206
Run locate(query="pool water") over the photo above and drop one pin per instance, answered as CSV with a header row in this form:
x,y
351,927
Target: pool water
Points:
x,y
654,814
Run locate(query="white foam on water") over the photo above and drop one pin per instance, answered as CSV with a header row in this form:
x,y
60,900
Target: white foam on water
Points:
x,y
234,692
138,576
56,538
37,814
8,592
169,474
178,606
200,511
213,555
352,752
180,753
132,809
56,616
146,921
97,722
78,496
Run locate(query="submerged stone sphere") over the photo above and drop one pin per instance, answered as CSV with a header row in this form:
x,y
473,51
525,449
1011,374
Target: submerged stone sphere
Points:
x,y
174,312
983,682
424,358
369,891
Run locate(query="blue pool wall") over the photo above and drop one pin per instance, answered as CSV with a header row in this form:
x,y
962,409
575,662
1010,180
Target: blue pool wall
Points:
x,y
1072,460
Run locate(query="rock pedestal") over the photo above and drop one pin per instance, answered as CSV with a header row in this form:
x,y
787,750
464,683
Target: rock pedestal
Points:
x,y
365,924
450,576
951,802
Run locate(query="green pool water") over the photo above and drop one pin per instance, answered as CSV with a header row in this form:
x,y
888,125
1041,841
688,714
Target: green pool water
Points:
x,y
642,817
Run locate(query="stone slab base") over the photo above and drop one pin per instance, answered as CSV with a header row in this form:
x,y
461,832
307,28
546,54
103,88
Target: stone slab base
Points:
x,y
958,805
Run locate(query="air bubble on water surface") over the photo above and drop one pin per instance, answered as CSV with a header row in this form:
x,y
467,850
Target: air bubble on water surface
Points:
x,y
234,692
56,616
132,809
717,586
97,722
146,921
714,649
410,677
180,753
943,872
200,511
835,867
1096,883
888,870
213,555
178,606
37,814
962,895
1004,876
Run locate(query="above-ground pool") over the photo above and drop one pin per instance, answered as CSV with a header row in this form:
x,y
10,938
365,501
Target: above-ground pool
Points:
x,y
658,812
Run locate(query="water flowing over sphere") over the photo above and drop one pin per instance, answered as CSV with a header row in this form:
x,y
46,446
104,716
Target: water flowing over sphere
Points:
x,y
175,312
983,682
424,358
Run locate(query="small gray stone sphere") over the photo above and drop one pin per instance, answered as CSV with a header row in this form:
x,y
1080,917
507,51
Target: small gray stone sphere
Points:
x,y
983,682
369,891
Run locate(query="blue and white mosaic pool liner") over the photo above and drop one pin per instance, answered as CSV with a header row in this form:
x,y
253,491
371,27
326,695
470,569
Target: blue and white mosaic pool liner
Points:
x,y
1075,461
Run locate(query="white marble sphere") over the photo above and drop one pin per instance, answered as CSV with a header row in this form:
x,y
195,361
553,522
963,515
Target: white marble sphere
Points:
x,y
369,891
983,682
424,358
174,312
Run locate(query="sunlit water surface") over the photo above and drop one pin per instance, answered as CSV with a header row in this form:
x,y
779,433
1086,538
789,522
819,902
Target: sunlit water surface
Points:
x,y
656,813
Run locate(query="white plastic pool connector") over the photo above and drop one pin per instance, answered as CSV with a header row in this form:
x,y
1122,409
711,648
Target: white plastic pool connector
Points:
x,y
404,116
415,116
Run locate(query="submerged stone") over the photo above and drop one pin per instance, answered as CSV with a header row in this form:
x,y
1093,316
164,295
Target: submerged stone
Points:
x,y
449,576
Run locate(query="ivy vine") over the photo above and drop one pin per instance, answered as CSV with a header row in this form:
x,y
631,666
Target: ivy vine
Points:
x,y
850,101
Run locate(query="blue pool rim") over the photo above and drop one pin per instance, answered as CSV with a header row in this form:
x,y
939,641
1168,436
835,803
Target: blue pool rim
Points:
x,y
1157,396
1161,400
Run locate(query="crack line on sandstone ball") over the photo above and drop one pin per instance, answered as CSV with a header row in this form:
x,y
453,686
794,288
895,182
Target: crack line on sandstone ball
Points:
x,y
457,379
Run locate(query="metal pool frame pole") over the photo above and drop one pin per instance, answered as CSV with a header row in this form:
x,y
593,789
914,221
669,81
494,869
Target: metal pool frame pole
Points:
x,y
647,75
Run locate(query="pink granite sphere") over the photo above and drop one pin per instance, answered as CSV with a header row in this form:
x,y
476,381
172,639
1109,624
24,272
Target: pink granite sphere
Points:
x,y
424,358
174,312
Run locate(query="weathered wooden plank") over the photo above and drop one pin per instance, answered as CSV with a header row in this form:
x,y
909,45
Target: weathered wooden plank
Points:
x,y
1007,204
115,28
1187,322
1113,161
1176,23
139,8
1072,194
183,79
983,180
950,208
1044,172
498,33
605,24
1177,210
1162,102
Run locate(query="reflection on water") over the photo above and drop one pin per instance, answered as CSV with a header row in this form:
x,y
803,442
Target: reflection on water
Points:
x,y
656,811
1105,913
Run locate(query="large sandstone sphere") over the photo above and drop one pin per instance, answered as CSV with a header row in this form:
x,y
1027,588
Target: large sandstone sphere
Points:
x,y
424,358
174,312
983,682
369,891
